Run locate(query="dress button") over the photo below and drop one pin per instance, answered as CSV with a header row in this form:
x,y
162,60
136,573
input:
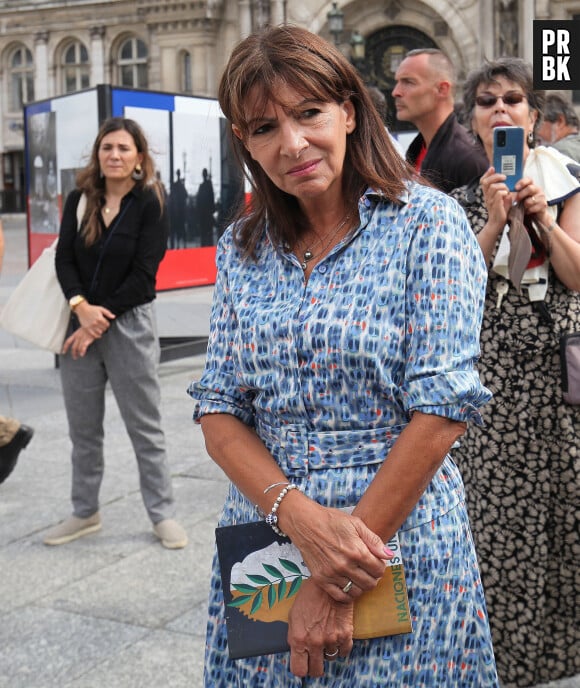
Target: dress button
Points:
x,y
322,269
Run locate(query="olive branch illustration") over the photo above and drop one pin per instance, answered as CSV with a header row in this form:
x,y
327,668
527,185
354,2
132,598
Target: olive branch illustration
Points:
x,y
265,589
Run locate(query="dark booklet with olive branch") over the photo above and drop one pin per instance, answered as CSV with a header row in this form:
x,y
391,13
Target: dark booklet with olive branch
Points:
x,y
261,573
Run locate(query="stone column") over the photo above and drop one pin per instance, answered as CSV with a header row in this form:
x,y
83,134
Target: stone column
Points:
x,y
41,74
527,30
543,10
486,24
171,67
245,18
509,43
198,69
154,62
277,12
211,71
98,76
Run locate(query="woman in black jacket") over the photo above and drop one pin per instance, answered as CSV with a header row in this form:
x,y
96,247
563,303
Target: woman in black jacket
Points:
x,y
107,264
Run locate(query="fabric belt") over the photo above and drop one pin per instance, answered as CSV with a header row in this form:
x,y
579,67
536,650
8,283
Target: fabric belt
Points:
x,y
300,452
299,449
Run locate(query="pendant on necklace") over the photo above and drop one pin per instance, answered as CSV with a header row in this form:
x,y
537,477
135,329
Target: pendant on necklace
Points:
x,y
107,210
306,256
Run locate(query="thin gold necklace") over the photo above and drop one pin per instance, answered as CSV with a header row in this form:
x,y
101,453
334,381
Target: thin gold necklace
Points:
x,y
110,207
308,254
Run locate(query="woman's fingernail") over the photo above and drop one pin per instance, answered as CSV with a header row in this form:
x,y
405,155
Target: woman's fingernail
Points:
x,y
389,552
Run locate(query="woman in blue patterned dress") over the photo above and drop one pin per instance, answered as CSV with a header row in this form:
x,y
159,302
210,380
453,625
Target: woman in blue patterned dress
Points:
x,y
344,334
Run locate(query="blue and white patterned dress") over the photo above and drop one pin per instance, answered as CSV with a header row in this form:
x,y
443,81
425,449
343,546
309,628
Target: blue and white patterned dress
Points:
x,y
328,373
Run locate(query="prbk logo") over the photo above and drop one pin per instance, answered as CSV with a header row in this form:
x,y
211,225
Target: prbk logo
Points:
x,y
557,55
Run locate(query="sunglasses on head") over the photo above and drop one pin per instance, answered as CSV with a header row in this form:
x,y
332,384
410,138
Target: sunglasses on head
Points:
x,y
488,100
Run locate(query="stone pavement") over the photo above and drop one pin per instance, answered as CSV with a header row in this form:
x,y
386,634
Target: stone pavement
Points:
x,y
114,609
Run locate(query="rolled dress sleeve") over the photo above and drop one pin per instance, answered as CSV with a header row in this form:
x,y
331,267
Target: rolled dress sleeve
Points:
x,y
218,390
446,281
386,325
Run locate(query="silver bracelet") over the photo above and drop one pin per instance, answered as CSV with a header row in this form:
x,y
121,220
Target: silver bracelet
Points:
x,y
272,517
273,485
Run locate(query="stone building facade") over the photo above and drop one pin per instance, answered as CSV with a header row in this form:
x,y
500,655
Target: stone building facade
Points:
x,y
54,47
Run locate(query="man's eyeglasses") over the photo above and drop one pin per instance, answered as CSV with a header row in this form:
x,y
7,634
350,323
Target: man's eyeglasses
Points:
x,y
486,100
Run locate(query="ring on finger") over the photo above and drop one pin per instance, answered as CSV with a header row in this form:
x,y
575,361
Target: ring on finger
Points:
x,y
347,588
330,655
533,199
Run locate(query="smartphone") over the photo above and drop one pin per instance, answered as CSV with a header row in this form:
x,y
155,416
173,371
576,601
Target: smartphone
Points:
x,y
508,153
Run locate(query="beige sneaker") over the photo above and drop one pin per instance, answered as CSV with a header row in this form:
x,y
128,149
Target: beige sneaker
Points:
x,y
72,529
171,534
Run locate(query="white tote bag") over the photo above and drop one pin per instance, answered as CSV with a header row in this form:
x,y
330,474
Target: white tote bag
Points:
x,y
37,309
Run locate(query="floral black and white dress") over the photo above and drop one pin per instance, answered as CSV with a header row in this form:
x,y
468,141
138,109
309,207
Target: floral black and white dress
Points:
x,y
521,473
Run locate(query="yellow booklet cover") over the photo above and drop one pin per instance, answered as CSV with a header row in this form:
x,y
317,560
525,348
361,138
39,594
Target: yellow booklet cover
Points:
x,y
261,574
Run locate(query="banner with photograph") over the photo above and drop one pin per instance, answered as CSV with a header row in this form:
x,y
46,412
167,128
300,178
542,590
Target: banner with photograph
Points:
x,y
189,141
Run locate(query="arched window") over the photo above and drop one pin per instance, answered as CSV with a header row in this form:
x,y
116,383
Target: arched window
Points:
x,y
186,84
132,63
21,78
75,68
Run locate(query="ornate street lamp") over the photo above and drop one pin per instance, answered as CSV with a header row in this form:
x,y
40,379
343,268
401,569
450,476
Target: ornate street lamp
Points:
x,y
335,23
357,45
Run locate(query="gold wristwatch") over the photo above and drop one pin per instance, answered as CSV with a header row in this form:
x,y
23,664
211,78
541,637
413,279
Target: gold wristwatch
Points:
x,y
74,301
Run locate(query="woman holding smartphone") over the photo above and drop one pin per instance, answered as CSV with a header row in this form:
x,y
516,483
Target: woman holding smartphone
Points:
x,y
521,468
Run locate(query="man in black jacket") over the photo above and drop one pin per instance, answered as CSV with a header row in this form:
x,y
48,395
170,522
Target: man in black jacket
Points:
x,y
444,151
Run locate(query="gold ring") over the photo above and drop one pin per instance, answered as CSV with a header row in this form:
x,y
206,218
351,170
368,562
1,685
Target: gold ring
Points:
x,y
330,655
347,587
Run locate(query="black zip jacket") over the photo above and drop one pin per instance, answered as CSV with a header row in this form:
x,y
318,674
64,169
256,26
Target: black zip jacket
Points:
x,y
453,159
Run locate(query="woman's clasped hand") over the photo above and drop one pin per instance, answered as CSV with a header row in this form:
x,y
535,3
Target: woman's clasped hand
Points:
x,y
94,321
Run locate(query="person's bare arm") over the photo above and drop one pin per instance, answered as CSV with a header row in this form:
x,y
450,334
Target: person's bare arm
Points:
x,y
498,200
412,462
336,546
561,238
391,496
317,621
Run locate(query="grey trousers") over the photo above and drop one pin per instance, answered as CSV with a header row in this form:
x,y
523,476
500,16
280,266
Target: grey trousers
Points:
x,y
127,357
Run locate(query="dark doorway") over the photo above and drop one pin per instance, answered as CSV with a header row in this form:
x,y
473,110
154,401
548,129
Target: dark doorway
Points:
x,y
384,51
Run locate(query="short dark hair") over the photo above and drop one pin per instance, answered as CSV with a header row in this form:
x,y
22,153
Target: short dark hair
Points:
x,y
557,105
438,61
511,68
